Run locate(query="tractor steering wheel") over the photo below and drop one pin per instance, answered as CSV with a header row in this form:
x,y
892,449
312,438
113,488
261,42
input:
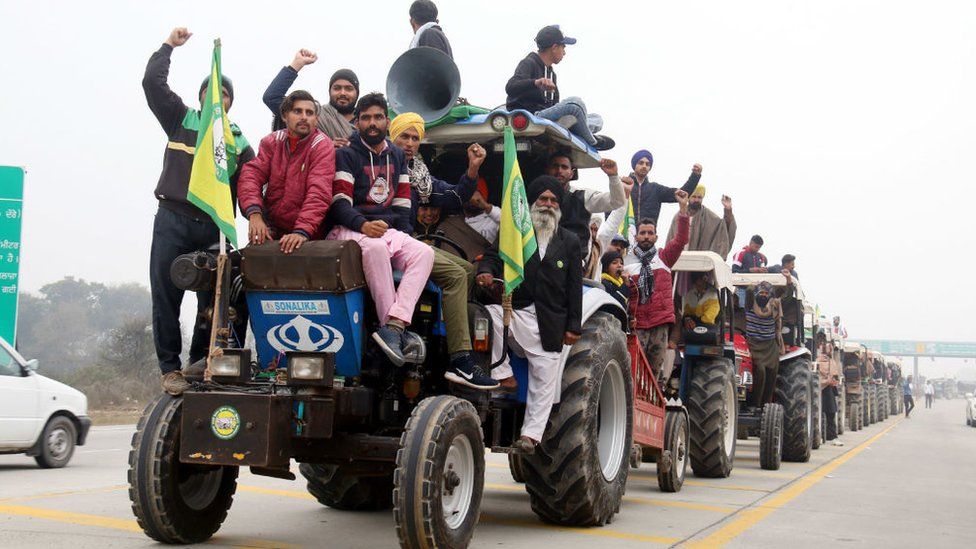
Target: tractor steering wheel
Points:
x,y
437,238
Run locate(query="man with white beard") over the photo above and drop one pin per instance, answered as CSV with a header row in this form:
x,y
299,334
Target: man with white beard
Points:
x,y
546,308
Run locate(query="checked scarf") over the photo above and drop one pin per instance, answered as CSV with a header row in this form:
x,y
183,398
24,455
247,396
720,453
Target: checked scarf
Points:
x,y
645,280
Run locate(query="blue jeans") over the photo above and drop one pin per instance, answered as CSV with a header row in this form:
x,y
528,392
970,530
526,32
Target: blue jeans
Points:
x,y
573,106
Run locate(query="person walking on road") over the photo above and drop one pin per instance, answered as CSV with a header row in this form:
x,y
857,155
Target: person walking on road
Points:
x,y
929,393
906,390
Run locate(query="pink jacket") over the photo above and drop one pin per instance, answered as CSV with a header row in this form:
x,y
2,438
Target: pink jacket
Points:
x,y
659,309
299,184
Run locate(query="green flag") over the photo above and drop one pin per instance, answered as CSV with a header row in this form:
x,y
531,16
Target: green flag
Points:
x,y
216,150
516,237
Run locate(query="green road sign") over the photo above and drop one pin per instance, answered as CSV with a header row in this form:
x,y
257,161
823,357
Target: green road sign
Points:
x,y
922,348
11,202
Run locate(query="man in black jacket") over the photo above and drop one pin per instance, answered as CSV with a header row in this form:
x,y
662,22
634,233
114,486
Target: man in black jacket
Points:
x,y
426,31
179,226
579,205
533,88
547,308
647,195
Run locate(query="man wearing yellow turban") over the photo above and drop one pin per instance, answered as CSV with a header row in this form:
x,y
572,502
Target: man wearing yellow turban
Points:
x,y
431,197
709,232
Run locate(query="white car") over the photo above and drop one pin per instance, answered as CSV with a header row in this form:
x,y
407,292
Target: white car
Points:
x,y
970,410
39,417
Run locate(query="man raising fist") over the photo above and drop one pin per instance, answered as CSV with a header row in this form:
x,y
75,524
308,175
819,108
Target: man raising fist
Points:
x,y
179,226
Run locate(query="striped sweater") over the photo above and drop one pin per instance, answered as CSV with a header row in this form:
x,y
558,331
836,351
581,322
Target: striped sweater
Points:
x,y
370,186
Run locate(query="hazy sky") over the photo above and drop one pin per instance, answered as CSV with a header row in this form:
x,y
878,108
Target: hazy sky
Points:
x,y
844,131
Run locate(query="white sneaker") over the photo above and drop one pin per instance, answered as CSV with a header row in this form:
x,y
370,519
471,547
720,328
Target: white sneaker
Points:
x,y
837,442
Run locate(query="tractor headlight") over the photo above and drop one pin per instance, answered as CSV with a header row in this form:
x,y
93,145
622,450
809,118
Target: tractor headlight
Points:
x,y
232,366
310,368
227,365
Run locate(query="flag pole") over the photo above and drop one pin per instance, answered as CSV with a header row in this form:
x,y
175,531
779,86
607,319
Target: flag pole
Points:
x,y
217,328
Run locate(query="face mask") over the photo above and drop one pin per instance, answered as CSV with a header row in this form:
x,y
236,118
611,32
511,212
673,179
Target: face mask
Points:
x,y
762,300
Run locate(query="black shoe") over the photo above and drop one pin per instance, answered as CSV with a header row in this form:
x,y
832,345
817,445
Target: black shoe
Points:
x,y
390,343
464,372
604,143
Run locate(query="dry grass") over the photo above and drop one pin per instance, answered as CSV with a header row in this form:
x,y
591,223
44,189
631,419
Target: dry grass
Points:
x,y
116,415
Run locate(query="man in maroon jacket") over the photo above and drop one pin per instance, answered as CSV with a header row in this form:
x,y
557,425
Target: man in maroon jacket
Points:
x,y
652,305
297,165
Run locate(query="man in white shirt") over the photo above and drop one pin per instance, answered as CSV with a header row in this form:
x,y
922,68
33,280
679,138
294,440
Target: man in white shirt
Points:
x,y
481,216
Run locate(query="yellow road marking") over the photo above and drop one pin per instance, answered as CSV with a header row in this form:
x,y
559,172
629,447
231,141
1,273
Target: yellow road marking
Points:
x,y
125,525
747,518
68,493
275,492
71,518
726,486
679,504
597,531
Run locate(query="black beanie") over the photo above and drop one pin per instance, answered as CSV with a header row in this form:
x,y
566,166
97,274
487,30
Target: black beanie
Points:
x,y
608,258
345,74
542,184
227,84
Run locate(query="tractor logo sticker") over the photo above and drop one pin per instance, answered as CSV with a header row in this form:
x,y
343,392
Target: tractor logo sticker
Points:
x,y
225,422
301,334
291,307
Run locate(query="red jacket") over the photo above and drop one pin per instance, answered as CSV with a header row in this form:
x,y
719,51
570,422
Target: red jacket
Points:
x,y
299,184
659,309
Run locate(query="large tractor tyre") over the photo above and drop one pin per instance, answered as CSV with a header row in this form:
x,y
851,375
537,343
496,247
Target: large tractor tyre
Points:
x,y
713,414
347,488
793,392
815,405
862,413
440,475
671,476
57,443
515,467
866,399
892,401
174,502
771,437
885,405
578,473
854,416
841,413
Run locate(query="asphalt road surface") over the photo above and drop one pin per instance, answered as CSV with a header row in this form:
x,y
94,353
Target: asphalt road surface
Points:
x,y
900,483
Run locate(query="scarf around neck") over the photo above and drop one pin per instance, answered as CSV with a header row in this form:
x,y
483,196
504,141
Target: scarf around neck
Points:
x,y
645,280
332,123
415,41
616,281
420,178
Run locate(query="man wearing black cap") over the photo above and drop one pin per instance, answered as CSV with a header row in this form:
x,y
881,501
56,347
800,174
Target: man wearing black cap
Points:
x,y
547,307
336,118
179,226
533,88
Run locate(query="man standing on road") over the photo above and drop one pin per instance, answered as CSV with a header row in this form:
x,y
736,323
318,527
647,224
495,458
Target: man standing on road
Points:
x,y
547,308
426,30
334,119
929,393
285,192
648,195
652,305
179,226
906,391
579,205
371,205
451,273
533,88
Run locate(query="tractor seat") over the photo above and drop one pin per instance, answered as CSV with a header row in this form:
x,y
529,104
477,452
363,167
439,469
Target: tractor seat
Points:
x,y
334,266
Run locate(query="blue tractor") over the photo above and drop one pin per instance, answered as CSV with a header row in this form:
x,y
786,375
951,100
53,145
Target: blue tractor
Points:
x,y
369,435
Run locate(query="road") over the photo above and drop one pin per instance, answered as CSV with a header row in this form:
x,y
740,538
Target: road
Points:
x,y
901,483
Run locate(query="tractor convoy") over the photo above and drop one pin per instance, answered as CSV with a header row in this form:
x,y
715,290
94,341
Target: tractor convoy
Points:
x,y
368,435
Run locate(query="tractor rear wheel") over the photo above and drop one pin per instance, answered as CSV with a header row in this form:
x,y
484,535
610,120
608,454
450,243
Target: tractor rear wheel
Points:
x,y
771,437
817,416
349,487
793,392
713,413
515,467
578,473
174,502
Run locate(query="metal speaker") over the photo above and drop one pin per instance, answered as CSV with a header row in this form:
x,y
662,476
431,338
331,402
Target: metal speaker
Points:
x,y
425,81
